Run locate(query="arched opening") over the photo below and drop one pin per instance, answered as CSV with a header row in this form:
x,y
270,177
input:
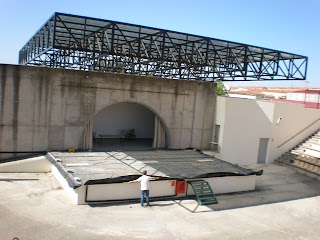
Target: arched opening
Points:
x,y
127,126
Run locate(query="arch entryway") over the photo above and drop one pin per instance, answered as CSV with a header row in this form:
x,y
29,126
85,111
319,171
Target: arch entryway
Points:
x,y
125,126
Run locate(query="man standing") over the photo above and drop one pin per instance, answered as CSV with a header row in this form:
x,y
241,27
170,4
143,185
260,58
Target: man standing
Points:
x,y
144,184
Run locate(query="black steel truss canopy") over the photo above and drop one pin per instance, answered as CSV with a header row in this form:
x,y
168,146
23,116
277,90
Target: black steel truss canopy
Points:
x,y
84,43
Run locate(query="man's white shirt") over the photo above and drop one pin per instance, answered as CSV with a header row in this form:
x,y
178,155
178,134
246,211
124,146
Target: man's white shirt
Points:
x,y
144,182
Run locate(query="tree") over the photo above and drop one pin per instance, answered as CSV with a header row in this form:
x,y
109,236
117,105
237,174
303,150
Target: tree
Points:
x,y
221,89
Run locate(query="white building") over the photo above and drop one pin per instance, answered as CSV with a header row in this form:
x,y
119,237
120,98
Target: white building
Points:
x,y
249,131
310,97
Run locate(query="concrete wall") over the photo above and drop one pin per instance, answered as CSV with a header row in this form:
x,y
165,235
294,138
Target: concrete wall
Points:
x,y
124,191
164,188
31,165
47,109
244,121
124,116
232,184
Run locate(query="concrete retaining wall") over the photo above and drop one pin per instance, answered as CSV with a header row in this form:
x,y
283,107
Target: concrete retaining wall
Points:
x,y
47,109
165,188
30,165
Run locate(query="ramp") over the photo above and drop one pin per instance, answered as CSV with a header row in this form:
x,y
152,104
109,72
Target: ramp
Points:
x,y
203,192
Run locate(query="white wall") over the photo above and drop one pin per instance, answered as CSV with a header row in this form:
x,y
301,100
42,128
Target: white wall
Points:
x,y
295,118
221,185
304,97
241,129
244,121
163,188
35,165
123,191
296,96
124,116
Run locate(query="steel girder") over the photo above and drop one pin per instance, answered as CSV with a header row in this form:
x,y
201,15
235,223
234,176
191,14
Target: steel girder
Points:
x,y
83,43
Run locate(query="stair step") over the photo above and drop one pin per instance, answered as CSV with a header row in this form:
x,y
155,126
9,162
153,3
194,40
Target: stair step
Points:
x,y
199,185
203,192
207,199
305,157
202,187
313,141
209,202
305,167
311,146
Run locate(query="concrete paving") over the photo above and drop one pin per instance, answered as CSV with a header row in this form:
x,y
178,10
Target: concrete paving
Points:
x,y
286,205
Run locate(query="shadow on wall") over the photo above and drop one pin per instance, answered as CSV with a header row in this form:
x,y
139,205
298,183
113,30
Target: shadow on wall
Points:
x,y
129,117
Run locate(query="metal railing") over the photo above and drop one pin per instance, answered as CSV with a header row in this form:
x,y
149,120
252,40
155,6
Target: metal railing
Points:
x,y
299,133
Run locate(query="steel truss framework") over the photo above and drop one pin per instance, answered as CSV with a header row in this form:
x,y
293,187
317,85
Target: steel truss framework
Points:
x,y
83,43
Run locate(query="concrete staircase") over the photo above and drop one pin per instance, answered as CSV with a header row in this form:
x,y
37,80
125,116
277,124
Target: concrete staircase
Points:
x,y
305,158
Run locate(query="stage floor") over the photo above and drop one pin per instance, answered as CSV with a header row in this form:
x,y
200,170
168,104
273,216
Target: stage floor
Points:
x,y
114,144
86,168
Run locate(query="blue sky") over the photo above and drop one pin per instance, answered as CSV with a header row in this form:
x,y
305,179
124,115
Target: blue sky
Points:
x,y
285,25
